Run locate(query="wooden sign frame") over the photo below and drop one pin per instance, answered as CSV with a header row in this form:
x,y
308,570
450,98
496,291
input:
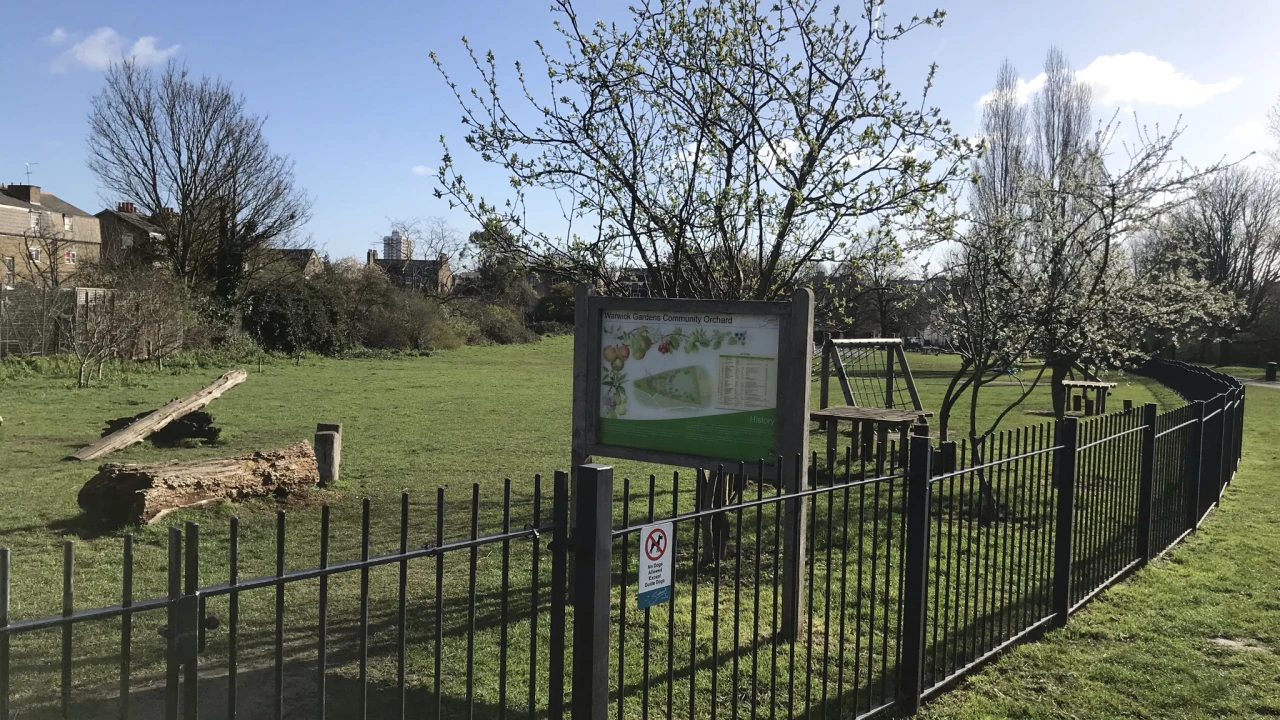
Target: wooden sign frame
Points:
x,y
791,413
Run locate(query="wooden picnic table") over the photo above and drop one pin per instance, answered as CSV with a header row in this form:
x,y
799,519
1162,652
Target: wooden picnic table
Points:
x,y
875,424
1099,388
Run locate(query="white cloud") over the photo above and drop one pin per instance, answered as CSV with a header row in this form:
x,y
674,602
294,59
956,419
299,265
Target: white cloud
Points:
x,y
1140,78
103,46
1024,90
1135,78
1250,132
421,170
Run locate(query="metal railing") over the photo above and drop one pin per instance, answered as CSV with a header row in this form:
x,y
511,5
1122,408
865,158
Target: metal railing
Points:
x,y
908,580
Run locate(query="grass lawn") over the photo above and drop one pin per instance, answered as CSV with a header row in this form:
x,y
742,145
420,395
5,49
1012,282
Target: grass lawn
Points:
x,y
475,415
1194,635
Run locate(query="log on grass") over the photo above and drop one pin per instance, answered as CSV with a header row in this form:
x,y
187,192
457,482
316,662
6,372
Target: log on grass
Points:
x,y
138,431
145,493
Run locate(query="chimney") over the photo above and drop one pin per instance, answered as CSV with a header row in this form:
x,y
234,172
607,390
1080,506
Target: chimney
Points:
x,y
25,193
370,257
127,207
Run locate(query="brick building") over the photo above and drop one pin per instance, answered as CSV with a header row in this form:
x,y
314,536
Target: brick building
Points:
x,y
44,240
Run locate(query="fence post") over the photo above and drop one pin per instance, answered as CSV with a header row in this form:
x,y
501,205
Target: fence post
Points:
x,y
1239,450
1195,454
916,574
172,674
795,522
559,592
4,639
1146,480
824,382
1224,444
1064,477
592,561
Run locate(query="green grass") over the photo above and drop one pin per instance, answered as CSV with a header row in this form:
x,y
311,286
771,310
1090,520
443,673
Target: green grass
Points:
x,y
475,415
1194,635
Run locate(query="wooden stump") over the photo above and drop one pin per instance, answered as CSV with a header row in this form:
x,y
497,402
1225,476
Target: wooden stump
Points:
x,y
328,456
145,493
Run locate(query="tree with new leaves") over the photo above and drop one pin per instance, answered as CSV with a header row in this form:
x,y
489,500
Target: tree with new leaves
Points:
x,y
1043,270
189,154
726,147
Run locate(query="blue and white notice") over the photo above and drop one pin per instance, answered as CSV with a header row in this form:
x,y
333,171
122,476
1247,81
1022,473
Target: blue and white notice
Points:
x,y
657,559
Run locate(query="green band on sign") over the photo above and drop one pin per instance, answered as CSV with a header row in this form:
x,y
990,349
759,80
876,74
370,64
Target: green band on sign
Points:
x,y
746,436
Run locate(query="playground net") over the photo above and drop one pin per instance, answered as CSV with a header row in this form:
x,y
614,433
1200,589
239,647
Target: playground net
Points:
x,y
876,373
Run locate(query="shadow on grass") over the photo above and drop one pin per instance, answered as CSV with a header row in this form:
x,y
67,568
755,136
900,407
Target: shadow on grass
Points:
x,y
256,697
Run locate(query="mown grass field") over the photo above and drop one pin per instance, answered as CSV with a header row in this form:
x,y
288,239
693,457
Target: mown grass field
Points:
x,y
475,415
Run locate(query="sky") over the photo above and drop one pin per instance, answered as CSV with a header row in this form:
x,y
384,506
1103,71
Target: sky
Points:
x,y
352,97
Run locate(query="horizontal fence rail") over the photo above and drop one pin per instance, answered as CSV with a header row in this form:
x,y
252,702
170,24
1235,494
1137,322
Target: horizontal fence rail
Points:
x,y
440,599
855,583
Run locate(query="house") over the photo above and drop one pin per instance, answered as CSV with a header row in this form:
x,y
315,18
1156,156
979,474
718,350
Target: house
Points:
x,y
302,260
44,240
126,233
428,276
634,282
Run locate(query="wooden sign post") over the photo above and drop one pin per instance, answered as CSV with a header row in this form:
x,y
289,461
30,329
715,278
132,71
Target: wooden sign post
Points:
x,y
700,384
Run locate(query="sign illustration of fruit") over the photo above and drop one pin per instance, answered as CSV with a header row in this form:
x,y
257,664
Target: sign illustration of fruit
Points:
x,y
689,386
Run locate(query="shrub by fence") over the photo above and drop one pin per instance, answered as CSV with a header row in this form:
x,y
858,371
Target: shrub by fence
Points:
x,y
911,580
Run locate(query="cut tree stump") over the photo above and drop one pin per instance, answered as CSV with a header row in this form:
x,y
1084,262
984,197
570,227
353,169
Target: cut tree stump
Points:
x,y
138,431
145,493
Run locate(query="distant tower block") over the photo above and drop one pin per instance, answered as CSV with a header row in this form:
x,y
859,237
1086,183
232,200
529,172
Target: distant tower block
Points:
x,y
397,246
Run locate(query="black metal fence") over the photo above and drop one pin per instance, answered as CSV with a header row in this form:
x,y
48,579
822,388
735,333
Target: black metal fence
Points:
x,y
908,580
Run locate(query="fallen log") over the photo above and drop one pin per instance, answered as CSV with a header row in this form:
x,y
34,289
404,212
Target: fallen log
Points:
x,y
138,431
144,493
194,426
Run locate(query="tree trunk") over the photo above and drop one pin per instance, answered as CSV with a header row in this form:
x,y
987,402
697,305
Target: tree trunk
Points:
x,y
1061,369
155,421
145,493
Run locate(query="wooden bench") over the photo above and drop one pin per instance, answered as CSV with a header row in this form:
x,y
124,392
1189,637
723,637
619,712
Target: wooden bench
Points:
x,y
874,425
1099,388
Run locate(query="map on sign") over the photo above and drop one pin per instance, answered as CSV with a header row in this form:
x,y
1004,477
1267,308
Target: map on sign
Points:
x,y
657,553
697,383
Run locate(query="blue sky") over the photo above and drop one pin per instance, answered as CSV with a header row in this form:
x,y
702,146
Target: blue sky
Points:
x,y
353,98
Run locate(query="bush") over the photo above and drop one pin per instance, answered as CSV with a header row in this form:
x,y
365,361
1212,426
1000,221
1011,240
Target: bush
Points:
x,y
296,317
557,306
481,323
409,321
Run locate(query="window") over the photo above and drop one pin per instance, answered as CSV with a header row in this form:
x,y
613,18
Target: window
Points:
x,y
66,223
126,241
34,254
69,257
9,264
33,219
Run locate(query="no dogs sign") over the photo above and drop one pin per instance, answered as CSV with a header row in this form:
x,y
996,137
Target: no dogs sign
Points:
x,y
657,554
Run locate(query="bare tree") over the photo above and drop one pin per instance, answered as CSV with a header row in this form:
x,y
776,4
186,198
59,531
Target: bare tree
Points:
x,y
430,238
189,154
50,257
93,331
726,147
1232,227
